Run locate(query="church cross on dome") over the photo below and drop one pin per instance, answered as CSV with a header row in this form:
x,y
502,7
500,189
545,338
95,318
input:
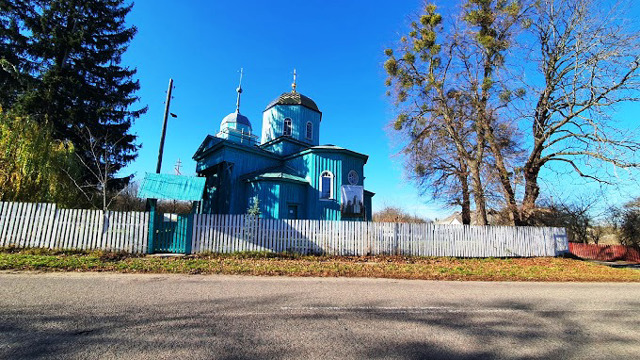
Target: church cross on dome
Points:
x,y
293,85
239,90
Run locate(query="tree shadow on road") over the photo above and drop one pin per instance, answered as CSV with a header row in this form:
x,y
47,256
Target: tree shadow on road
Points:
x,y
249,328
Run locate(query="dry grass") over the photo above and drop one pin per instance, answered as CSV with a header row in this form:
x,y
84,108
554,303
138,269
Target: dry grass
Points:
x,y
265,264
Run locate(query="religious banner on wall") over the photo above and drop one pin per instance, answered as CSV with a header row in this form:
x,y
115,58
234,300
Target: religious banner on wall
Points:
x,y
352,200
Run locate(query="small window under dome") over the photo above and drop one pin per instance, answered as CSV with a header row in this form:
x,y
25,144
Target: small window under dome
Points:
x,y
286,131
309,130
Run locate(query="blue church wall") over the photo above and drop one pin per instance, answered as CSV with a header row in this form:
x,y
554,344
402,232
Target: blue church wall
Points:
x,y
217,189
232,197
283,146
368,205
244,163
273,123
275,198
311,165
245,157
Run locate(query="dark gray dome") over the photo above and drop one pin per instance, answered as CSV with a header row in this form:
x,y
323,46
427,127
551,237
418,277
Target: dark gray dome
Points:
x,y
236,117
293,98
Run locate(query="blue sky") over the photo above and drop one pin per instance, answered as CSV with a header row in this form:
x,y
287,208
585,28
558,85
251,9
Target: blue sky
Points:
x,y
336,47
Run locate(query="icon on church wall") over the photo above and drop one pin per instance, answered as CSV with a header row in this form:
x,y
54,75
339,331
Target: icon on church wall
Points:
x,y
351,200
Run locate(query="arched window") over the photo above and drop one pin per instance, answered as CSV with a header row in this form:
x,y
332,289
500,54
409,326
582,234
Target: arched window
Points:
x,y
309,130
286,131
326,185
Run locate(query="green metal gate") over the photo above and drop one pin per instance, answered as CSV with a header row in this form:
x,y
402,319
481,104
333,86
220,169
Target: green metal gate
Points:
x,y
172,233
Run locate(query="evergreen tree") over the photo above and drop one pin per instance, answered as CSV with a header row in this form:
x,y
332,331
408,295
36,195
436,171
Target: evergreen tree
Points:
x,y
72,49
14,68
254,209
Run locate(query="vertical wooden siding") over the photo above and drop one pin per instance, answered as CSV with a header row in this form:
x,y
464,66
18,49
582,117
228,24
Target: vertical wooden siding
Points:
x,y
273,121
45,226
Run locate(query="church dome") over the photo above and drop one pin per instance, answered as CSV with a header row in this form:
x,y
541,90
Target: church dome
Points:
x,y
234,119
293,98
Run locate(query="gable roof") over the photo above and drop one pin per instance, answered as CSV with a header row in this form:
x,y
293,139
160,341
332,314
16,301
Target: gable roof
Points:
x,y
278,176
212,143
208,142
327,148
275,173
172,187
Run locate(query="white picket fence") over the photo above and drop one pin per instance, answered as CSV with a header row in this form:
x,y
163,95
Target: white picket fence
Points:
x,y
46,226
233,233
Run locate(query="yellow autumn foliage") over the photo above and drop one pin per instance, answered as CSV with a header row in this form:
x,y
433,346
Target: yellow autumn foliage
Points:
x,y
34,166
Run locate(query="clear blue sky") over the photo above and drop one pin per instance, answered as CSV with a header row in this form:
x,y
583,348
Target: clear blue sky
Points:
x,y
336,47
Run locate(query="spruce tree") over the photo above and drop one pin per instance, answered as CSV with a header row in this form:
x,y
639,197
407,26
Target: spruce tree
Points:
x,y
72,49
14,67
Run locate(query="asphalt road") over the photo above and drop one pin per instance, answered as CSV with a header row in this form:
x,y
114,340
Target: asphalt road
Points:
x,y
86,316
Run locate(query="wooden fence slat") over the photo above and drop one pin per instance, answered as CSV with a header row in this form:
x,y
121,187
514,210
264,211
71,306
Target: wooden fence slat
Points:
x,y
42,226
3,216
96,230
55,221
73,214
36,225
17,224
27,224
61,234
67,241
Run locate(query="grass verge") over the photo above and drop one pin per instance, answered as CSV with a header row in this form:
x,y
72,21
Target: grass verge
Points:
x,y
269,264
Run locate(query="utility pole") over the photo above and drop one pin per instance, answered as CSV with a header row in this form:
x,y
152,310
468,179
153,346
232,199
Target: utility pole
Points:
x,y
164,126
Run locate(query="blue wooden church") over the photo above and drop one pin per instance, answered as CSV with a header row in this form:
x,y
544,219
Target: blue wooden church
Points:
x,y
290,174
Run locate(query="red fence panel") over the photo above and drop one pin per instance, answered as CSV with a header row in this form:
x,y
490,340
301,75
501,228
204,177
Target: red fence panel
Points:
x,y
605,252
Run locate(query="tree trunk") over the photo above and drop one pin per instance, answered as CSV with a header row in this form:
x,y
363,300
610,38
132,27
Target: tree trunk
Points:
x,y
478,195
534,163
466,199
531,191
503,174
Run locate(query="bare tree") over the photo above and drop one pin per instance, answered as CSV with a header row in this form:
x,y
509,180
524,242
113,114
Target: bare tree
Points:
x,y
397,214
447,91
589,61
128,200
438,166
101,187
440,151
626,221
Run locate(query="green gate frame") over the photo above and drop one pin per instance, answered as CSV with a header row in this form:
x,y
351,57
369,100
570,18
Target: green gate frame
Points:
x,y
173,237
169,236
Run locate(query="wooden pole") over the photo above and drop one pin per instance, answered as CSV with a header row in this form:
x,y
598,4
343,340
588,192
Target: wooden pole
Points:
x,y
164,126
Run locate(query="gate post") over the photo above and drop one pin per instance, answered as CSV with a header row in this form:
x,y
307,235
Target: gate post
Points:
x,y
189,232
151,204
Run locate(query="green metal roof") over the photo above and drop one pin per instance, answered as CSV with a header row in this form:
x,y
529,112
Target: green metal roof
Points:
x,y
172,187
276,176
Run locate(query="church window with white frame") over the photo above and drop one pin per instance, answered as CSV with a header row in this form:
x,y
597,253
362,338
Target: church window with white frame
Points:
x,y
326,185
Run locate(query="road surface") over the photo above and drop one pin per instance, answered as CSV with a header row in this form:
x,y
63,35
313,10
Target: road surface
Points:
x,y
109,316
